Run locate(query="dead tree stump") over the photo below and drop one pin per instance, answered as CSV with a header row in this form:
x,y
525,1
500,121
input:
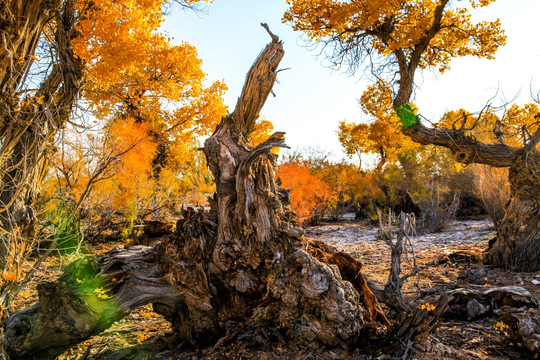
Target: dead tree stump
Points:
x,y
240,269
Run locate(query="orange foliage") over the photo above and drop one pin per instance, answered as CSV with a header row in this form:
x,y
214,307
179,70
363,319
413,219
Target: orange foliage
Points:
x,y
10,276
132,181
310,194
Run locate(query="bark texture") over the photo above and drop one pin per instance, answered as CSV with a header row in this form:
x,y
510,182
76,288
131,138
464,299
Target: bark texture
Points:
x,y
30,118
257,267
27,130
517,245
88,298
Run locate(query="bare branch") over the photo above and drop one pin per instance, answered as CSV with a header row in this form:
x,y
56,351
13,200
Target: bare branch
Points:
x,y
465,148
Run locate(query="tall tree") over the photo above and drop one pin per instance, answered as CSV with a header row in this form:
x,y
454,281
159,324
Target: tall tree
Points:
x,y
35,101
397,38
30,114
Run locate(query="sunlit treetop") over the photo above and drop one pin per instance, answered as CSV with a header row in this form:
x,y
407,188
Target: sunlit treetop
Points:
x,y
422,33
382,136
133,69
113,36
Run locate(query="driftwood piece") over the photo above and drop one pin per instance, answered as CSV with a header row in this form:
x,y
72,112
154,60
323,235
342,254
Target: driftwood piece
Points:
x,y
470,304
157,228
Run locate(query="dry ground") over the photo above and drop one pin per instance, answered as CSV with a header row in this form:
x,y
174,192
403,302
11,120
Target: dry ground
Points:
x,y
144,333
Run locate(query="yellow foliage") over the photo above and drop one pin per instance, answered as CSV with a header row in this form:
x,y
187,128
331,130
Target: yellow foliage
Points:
x,y
502,327
383,135
131,66
514,128
354,139
261,132
428,307
397,27
133,176
142,338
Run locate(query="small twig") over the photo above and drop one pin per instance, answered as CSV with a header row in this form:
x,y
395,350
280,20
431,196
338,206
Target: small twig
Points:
x,y
408,347
86,353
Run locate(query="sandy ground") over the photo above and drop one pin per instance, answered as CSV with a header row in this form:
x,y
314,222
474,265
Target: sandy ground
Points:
x,y
361,241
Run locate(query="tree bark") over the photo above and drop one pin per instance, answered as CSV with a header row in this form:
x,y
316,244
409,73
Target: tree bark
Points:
x,y
88,298
242,268
28,131
263,274
517,245
28,124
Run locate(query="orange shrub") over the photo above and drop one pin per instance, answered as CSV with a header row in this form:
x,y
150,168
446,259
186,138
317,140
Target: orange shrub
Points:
x,y
311,196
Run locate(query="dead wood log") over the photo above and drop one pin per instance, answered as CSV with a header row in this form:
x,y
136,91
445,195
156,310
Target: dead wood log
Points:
x,y
257,270
516,303
470,304
517,309
88,298
156,228
524,327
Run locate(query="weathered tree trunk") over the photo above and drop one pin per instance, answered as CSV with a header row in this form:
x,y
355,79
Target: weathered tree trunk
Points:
x,y
240,269
517,245
255,271
28,130
88,298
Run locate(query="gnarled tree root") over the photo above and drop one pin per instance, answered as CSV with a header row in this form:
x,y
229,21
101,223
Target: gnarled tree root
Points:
x,y
302,299
88,298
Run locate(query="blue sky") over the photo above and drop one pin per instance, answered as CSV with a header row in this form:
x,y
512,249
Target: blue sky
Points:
x,y
311,99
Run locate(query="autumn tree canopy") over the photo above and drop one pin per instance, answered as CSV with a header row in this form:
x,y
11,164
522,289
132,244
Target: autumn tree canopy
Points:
x,y
151,97
382,136
394,39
